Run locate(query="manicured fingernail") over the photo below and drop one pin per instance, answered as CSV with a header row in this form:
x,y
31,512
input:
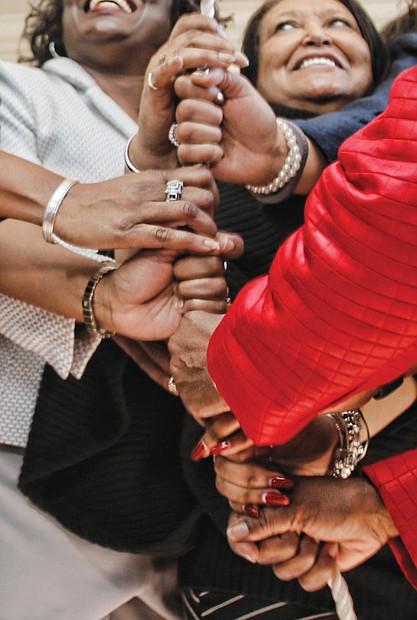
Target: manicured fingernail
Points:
x,y
219,448
228,58
179,304
280,482
210,243
275,499
242,59
229,244
238,531
199,451
252,510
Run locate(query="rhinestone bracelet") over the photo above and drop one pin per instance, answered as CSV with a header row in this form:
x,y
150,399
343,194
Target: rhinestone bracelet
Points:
x,y
350,450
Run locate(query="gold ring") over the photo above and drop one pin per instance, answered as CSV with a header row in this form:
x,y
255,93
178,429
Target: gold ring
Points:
x,y
172,387
150,82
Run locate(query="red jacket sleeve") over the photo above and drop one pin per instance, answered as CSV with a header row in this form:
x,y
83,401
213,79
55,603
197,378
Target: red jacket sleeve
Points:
x,y
338,312
396,480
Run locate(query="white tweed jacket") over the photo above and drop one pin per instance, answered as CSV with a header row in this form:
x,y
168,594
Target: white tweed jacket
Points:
x,y
57,117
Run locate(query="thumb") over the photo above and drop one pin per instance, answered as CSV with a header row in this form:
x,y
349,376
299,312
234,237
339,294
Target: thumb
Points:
x,y
271,522
231,83
231,244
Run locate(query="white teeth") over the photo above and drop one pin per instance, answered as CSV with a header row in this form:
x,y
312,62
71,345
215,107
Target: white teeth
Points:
x,y
317,61
122,4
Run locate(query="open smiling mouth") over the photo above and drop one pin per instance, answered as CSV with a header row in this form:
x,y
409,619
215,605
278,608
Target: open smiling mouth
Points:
x,y
322,61
128,6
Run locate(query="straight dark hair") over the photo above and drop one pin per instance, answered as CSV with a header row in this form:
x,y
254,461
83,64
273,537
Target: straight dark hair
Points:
x,y
377,47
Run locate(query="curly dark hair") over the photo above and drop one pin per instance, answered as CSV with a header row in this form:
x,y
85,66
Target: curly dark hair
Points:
x,y
376,44
43,25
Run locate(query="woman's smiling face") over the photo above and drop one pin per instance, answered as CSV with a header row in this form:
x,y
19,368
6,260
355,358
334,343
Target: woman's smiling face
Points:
x,y
312,56
130,29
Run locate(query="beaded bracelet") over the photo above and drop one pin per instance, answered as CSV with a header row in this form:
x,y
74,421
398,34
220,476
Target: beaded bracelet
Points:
x,y
350,450
88,303
290,167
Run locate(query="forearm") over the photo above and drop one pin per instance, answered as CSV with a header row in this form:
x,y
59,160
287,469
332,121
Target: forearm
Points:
x,y
42,274
25,188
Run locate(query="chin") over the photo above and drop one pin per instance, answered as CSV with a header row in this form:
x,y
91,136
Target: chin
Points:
x,y
325,105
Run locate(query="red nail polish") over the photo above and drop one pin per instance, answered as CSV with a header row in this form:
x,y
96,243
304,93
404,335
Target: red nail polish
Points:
x,y
251,510
199,451
279,482
275,499
219,448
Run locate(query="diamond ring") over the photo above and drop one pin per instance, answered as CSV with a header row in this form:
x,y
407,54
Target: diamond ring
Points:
x,y
173,190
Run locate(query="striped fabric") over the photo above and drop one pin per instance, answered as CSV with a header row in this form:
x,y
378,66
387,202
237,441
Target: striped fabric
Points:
x,y
213,605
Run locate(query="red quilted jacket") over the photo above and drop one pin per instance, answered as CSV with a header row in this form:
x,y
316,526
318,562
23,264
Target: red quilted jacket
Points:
x,y
338,312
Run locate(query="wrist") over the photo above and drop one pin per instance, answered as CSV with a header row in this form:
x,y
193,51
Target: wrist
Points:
x,y
273,159
277,156
287,179
96,303
350,449
365,498
138,157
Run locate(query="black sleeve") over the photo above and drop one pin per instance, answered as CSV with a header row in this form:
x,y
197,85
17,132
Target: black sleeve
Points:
x,y
400,436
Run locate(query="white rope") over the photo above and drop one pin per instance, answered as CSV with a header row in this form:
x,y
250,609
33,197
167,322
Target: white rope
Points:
x,y
207,8
338,586
342,598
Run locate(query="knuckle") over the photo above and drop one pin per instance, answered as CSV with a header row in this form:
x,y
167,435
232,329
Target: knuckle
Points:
x,y
185,108
190,210
206,176
162,234
310,584
252,481
185,132
205,200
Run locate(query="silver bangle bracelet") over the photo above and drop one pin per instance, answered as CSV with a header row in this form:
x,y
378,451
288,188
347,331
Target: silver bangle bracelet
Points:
x,y
128,162
350,450
290,167
51,211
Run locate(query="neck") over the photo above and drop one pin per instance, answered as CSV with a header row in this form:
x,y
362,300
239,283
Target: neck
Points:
x,y
124,89
291,113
